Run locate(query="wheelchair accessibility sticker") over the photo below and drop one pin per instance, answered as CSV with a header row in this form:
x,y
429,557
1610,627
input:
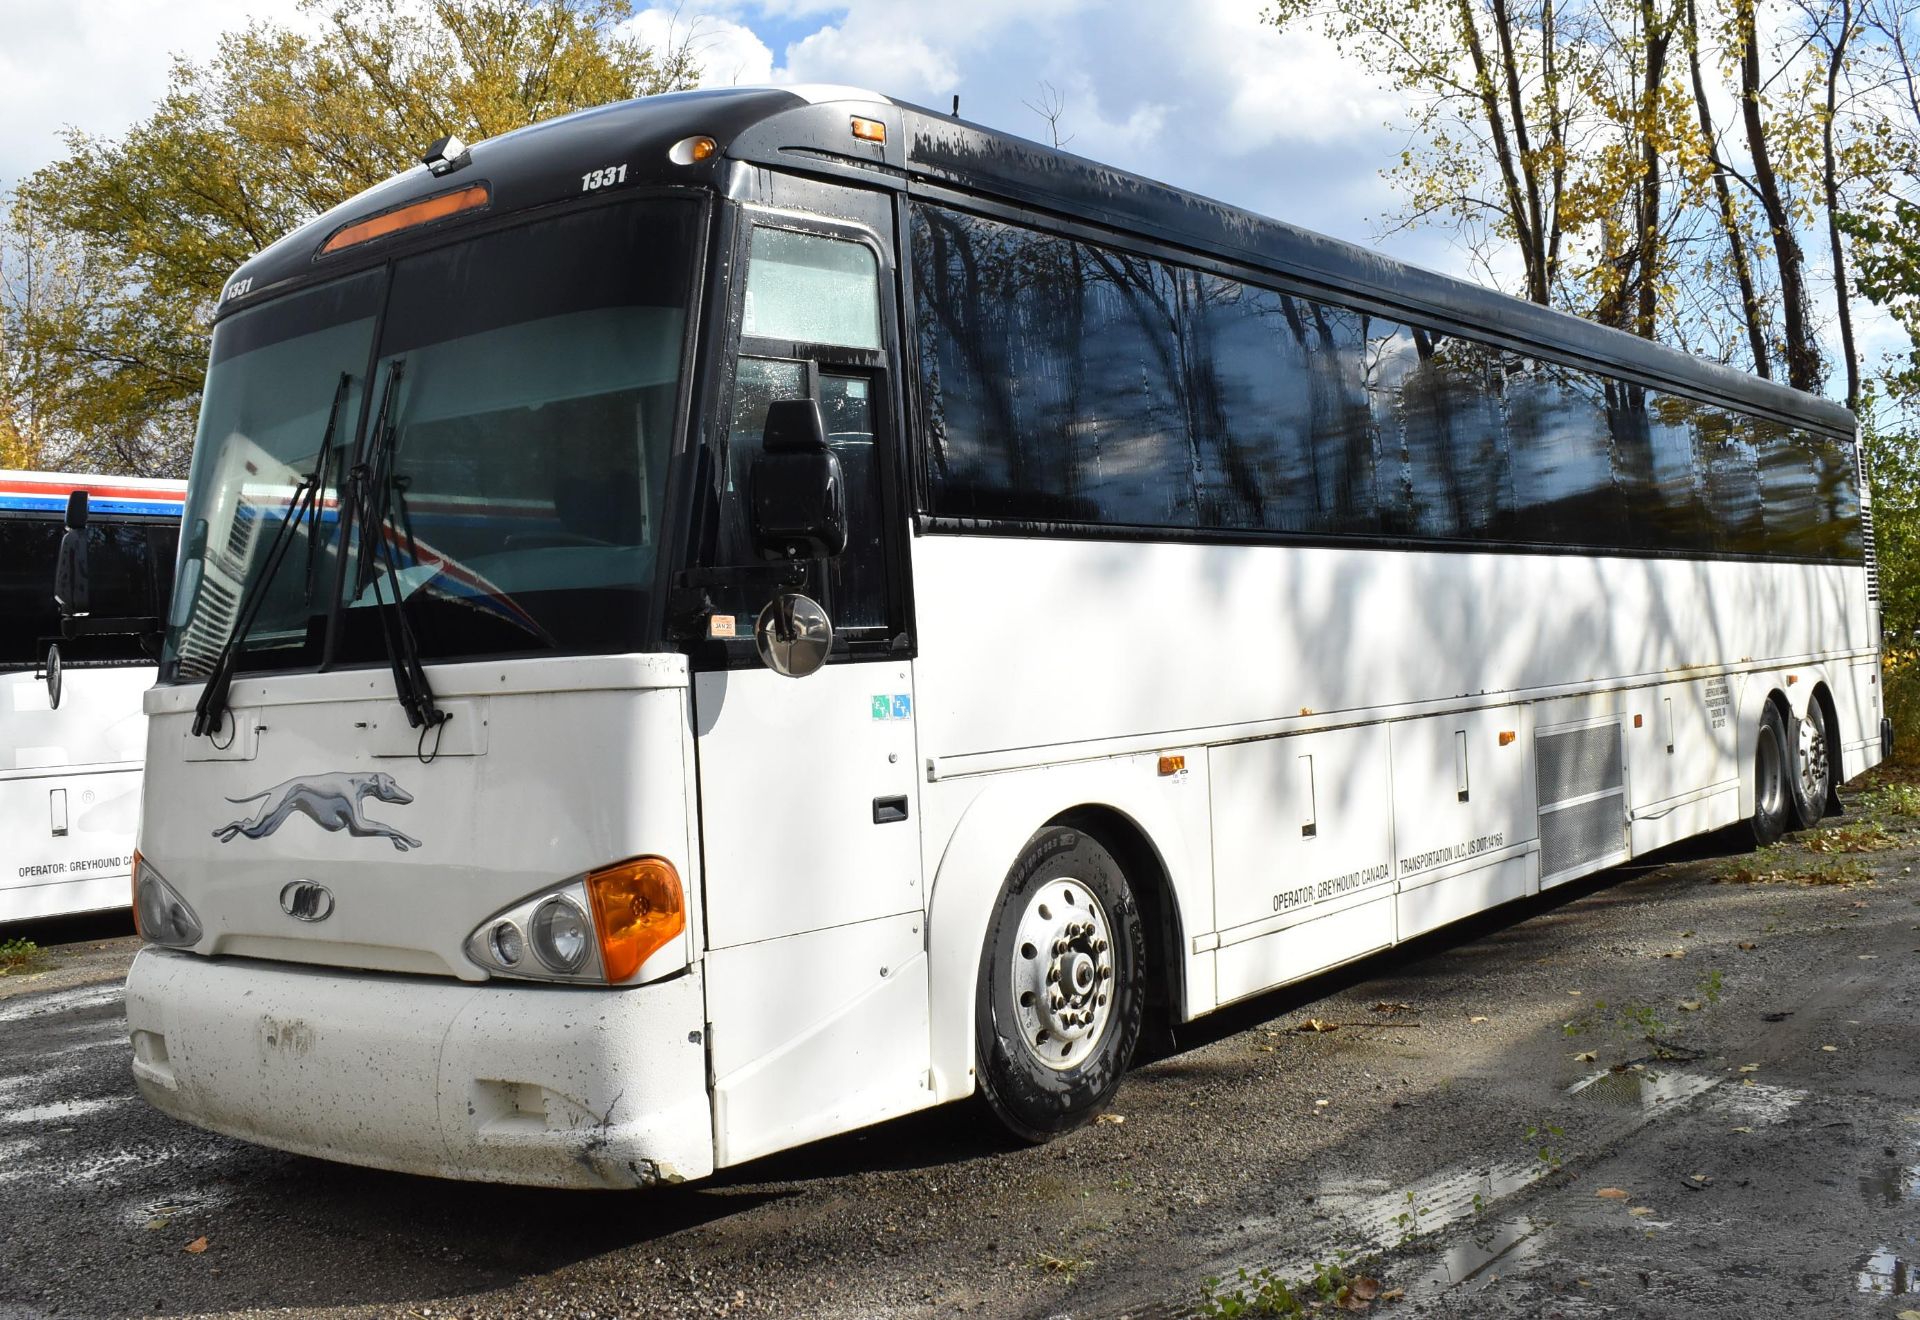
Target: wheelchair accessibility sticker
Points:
x,y
898,706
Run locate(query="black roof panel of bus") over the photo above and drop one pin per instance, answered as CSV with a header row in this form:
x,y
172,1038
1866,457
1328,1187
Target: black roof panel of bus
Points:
x,y
806,129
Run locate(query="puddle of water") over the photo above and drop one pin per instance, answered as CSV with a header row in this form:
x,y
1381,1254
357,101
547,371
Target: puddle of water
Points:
x,y
59,1109
1884,1272
1646,1090
1892,1184
1507,1243
1758,1105
60,1001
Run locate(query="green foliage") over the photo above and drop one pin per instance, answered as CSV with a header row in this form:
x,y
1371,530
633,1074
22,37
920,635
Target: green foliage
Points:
x,y
1335,1285
277,127
20,956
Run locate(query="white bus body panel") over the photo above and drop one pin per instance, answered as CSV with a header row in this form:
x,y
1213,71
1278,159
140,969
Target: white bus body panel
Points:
x,y
69,791
1400,673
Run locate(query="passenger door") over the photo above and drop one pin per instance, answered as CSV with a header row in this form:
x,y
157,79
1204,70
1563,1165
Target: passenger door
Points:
x,y
809,809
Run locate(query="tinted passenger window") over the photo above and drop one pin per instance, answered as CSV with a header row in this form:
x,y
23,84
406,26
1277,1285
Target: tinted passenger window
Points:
x,y
1069,382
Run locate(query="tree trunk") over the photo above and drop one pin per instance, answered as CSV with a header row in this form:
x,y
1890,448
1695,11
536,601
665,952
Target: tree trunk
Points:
x,y
1830,184
1729,218
1652,250
1803,356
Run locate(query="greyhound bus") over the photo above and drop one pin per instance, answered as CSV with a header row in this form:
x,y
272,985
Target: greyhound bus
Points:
x,y
71,740
733,616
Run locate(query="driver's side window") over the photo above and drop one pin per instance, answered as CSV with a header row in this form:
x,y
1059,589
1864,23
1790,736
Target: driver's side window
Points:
x,y
809,299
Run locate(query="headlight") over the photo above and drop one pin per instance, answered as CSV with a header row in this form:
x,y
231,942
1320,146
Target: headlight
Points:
x,y
597,928
159,913
561,936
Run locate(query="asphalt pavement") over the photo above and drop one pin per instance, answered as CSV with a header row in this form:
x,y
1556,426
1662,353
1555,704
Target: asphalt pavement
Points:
x,y
1686,1087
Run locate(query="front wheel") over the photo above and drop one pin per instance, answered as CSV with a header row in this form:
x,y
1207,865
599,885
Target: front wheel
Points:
x,y
1061,986
1811,773
1772,800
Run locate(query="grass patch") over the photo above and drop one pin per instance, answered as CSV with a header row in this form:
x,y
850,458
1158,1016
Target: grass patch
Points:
x,y
1264,1293
1894,797
1858,836
18,956
1774,866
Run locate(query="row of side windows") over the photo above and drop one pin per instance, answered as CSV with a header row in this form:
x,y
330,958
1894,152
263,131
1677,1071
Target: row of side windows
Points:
x,y
1068,382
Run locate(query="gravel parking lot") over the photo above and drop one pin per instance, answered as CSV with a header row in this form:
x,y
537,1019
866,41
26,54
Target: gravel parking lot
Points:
x,y
1680,1088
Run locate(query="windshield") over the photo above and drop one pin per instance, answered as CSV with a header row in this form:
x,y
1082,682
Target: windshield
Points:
x,y
511,400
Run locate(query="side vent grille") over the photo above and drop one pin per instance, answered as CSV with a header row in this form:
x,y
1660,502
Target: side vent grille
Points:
x,y
1866,526
1581,777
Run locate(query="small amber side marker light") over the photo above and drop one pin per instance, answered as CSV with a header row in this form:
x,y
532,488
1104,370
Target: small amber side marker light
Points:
x,y
1506,736
133,879
406,217
1792,679
692,150
638,908
1637,721
1172,765
869,130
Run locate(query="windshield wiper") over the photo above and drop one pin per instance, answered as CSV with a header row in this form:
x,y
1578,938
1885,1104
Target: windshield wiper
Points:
x,y
373,485
304,504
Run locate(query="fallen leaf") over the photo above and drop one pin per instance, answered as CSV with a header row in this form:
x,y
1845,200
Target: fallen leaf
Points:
x,y
1391,1006
1393,1294
195,1247
1316,1026
1830,1049
1868,957
1612,1193
1749,1067
1690,1005
1748,946
1365,1288
1686,934
1476,1019
1910,1315
1115,1119
1585,1056
1674,953
1702,1178
1641,1210
1321,1104
1573,992
1741,1129
160,1222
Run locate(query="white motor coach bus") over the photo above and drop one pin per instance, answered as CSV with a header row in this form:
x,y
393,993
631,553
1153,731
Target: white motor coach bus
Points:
x,y
70,772
734,616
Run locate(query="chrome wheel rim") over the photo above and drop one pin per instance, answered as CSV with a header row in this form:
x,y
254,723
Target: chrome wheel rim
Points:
x,y
1813,756
1062,973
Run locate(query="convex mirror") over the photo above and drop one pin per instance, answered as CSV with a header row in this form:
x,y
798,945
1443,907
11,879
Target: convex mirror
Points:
x,y
793,635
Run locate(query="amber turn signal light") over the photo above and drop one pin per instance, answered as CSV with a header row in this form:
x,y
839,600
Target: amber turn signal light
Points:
x,y
1172,765
406,217
869,130
638,908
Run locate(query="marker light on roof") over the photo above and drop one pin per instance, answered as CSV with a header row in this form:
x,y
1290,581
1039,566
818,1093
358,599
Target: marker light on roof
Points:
x,y
406,217
690,151
869,130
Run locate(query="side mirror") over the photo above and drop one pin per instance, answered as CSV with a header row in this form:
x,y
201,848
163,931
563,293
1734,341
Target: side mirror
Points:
x,y
798,497
55,676
70,577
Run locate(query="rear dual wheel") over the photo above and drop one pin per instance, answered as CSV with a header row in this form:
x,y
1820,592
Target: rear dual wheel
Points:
x,y
1811,771
1061,993
1792,772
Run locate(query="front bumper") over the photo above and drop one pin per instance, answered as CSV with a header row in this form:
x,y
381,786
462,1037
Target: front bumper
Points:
x,y
553,1086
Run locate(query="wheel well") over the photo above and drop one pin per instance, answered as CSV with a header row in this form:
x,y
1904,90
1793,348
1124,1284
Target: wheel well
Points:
x,y
1147,876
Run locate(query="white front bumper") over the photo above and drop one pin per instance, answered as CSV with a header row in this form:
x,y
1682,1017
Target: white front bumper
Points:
x,y
553,1086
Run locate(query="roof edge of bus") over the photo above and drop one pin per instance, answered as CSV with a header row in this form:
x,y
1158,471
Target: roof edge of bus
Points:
x,y
541,164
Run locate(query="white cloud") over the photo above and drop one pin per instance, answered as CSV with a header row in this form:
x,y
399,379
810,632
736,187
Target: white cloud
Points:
x,y
98,65
729,53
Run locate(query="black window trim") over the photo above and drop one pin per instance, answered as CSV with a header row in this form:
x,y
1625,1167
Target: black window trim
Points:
x,y
1049,225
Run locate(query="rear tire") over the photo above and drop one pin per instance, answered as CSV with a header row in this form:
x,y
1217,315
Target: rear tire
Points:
x,y
1810,769
1772,799
1061,992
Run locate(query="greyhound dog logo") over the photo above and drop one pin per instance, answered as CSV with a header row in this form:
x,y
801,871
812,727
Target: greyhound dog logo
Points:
x,y
330,801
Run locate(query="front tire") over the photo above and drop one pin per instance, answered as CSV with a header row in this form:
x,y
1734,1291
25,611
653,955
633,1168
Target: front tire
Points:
x,y
1062,986
1772,799
1810,771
